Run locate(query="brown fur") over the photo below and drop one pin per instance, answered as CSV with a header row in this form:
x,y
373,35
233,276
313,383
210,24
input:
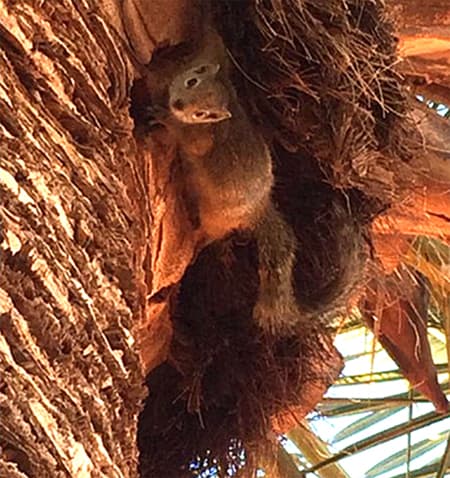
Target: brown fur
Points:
x,y
229,174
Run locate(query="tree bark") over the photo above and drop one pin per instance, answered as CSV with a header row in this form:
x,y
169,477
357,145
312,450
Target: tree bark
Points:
x,y
425,209
424,48
73,224
424,35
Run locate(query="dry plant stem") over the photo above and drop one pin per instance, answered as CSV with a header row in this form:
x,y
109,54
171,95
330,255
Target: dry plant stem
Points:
x,y
425,210
150,25
423,31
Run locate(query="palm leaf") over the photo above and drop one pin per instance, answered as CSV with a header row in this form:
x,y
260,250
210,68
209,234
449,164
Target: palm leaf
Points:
x,y
315,450
397,459
371,377
378,438
428,471
432,259
445,462
364,423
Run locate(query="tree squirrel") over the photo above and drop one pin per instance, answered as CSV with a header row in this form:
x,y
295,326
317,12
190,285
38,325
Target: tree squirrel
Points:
x,y
229,172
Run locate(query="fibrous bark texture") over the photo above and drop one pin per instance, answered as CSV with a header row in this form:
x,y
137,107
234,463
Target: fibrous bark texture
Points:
x,y
71,245
424,34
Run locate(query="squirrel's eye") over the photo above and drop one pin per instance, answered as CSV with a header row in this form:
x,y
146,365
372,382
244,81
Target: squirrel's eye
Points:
x,y
191,83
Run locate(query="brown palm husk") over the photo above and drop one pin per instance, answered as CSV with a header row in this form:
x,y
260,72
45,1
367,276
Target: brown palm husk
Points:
x,y
321,78
226,379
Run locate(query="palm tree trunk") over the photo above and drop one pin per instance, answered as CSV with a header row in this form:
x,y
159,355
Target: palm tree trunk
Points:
x,y
72,223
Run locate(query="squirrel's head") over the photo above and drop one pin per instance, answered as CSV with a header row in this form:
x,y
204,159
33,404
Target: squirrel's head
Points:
x,y
198,96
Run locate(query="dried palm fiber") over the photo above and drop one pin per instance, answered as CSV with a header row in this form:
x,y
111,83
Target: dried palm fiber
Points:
x,y
226,379
319,79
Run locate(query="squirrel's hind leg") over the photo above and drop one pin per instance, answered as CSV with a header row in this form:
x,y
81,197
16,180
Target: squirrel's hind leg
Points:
x,y
276,309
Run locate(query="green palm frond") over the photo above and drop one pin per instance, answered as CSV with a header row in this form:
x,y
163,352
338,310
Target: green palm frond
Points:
x,y
398,458
428,471
364,423
445,461
381,437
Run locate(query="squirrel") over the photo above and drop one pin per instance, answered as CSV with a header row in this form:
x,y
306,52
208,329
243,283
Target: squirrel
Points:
x,y
229,173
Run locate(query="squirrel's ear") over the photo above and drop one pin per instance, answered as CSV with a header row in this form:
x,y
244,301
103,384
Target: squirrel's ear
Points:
x,y
215,67
206,69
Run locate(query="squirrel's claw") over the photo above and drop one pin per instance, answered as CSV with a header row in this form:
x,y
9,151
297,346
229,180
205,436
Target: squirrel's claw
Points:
x,y
156,115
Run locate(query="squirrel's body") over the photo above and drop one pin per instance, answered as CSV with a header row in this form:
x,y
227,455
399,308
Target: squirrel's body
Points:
x,y
229,177
229,171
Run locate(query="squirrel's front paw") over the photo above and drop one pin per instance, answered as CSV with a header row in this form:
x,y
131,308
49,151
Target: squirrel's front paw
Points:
x,y
277,317
156,114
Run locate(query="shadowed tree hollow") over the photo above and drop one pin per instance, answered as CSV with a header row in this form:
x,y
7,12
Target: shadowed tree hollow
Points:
x,y
105,286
